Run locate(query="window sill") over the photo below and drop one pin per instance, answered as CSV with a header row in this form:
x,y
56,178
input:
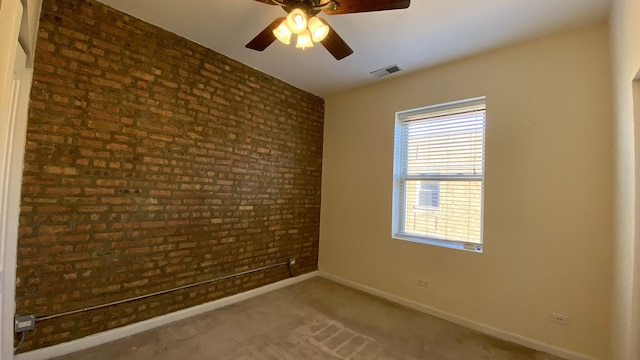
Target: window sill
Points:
x,y
477,248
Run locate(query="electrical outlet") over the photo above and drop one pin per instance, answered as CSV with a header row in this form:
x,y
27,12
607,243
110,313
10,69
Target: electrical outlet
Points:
x,y
24,323
560,319
423,283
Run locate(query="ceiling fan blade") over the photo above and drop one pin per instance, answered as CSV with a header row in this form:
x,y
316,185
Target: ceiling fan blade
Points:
x,y
358,6
335,45
266,37
267,2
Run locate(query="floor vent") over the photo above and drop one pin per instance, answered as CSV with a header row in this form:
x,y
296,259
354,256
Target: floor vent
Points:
x,y
386,71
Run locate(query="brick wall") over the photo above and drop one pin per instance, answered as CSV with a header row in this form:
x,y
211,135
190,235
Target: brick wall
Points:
x,y
152,162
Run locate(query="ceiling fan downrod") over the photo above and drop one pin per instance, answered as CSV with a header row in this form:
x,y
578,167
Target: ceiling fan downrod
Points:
x,y
313,7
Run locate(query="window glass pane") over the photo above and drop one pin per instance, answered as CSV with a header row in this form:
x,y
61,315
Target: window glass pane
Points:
x,y
456,151
458,216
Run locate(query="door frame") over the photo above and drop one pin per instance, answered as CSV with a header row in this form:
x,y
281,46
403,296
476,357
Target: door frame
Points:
x,y
635,294
10,20
10,206
15,85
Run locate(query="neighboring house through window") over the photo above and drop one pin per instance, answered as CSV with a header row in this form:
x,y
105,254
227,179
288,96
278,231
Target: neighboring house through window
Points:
x,y
439,174
429,194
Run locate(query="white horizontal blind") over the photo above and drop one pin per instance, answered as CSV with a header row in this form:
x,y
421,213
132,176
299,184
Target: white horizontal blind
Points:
x,y
440,149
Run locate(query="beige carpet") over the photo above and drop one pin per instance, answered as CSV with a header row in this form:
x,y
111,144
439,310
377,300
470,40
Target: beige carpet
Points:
x,y
315,319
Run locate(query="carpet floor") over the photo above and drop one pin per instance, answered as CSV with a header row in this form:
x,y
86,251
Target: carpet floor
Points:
x,y
314,319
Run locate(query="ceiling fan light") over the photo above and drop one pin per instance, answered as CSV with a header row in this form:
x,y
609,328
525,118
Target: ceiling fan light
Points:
x,y
319,30
304,40
283,33
297,20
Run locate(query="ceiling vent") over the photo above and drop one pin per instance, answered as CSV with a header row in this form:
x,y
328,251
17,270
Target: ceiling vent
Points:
x,y
386,71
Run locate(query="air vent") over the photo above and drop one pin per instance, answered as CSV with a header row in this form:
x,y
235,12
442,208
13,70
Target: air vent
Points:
x,y
386,71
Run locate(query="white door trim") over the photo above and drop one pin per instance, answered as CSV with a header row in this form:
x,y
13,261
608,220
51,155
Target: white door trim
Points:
x,y
635,292
10,20
14,148
15,85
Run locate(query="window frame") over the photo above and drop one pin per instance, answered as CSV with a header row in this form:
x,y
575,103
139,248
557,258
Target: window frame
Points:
x,y
401,176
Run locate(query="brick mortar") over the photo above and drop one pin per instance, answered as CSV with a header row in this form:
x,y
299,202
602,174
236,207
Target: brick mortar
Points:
x,y
152,162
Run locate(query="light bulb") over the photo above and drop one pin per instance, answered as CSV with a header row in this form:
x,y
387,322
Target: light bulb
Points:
x,y
304,40
283,33
319,30
297,21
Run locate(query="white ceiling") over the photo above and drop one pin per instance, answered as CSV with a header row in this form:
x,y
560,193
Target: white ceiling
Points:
x,y
428,33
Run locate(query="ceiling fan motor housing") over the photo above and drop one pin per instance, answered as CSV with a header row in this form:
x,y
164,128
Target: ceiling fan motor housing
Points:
x,y
310,7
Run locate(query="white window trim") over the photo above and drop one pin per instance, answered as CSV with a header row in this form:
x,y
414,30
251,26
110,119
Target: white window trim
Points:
x,y
399,196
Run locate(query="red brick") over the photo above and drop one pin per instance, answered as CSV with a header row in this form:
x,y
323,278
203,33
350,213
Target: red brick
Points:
x,y
152,162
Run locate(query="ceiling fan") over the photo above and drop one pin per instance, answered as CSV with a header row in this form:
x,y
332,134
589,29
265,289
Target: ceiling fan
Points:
x,y
301,21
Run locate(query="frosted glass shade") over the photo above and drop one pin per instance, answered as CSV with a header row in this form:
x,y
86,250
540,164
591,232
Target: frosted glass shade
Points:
x,y
319,30
297,21
304,40
283,33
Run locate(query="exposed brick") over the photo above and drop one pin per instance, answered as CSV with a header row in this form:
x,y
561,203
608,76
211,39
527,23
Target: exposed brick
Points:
x,y
152,162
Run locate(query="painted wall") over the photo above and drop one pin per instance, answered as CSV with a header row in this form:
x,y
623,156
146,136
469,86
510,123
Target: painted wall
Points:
x,y
625,32
548,192
29,27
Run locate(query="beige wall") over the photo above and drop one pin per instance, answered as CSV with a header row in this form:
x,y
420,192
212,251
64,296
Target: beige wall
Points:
x,y
548,190
10,13
625,32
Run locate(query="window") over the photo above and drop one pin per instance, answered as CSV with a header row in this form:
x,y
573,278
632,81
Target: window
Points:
x,y
429,194
439,174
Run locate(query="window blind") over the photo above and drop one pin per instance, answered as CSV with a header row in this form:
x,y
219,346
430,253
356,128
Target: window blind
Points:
x,y
441,145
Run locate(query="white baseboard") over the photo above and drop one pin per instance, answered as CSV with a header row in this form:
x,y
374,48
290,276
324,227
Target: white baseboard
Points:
x,y
123,332
468,323
128,330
